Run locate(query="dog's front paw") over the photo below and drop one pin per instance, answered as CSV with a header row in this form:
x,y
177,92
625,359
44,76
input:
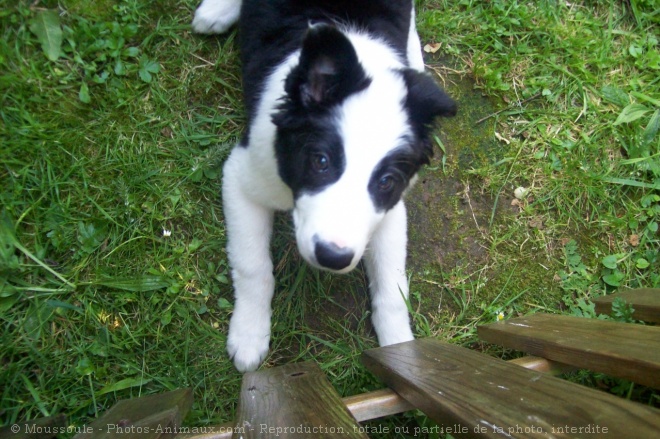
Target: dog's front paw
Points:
x,y
247,346
216,16
247,357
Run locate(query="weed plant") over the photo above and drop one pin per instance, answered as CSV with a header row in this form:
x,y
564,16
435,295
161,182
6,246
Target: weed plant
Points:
x,y
115,120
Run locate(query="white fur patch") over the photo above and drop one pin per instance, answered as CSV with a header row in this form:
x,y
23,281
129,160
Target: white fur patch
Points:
x,y
216,16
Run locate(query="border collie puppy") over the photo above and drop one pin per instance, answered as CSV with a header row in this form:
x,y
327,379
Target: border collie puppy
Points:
x,y
339,114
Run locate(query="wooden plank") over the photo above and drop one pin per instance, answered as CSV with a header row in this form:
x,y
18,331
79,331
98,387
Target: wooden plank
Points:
x,y
149,417
363,407
292,400
223,431
541,365
474,395
377,404
645,302
619,349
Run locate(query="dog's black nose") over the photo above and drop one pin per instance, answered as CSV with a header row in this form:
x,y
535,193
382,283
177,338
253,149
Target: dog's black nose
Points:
x,y
330,255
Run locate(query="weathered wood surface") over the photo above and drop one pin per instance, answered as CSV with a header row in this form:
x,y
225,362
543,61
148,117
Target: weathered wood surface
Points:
x,y
619,349
377,404
475,395
645,302
540,364
363,407
294,400
148,417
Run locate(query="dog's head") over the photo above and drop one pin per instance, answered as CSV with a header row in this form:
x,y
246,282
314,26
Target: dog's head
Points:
x,y
350,139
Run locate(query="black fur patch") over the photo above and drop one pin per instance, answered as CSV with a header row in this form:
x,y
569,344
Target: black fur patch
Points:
x,y
392,175
328,72
301,148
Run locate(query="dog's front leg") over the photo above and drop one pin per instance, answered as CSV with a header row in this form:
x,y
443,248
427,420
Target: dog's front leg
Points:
x,y
249,227
386,268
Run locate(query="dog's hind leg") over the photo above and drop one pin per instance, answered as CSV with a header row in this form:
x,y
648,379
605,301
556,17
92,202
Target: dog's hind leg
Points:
x,y
385,264
216,16
249,227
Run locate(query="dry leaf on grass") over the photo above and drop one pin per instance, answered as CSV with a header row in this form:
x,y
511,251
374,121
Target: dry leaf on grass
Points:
x,y
432,47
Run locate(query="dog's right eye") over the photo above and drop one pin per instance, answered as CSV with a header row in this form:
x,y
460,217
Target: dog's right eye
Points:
x,y
386,183
320,162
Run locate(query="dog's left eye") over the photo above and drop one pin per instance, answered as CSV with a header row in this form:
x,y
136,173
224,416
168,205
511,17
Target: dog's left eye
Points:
x,y
386,183
320,162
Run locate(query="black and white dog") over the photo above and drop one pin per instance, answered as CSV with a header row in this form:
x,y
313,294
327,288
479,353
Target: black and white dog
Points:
x,y
339,124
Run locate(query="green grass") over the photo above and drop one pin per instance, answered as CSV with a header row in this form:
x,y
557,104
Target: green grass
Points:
x,y
586,144
120,135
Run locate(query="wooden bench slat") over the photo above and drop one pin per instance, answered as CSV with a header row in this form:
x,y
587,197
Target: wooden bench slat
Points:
x,y
645,302
619,349
148,417
480,396
294,400
376,404
540,364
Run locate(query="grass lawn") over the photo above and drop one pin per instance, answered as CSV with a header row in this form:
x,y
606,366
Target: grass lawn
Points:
x,y
115,120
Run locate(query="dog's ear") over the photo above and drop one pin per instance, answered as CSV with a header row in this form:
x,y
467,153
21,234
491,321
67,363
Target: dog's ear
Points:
x,y
426,100
328,70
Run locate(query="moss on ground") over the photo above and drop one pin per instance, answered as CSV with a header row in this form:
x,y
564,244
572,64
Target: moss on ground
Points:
x,y
467,245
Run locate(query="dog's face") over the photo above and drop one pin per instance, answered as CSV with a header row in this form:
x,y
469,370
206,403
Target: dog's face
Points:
x,y
349,143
